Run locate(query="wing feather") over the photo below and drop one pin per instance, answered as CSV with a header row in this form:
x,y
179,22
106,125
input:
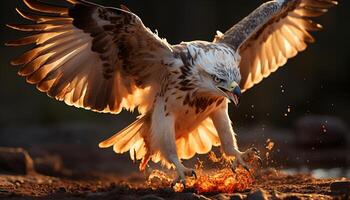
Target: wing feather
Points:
x,y
46,8
90,56
272,34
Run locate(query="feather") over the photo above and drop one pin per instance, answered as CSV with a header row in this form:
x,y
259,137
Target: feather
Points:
x,y
276,32
76,41
31,67
36,27
44,18
46,8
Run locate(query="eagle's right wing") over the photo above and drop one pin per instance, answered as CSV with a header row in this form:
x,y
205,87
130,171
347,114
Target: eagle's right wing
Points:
x,y
90,56
273,33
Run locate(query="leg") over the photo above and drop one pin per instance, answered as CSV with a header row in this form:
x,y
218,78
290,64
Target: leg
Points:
x,y
182,171
163,140
249,156
228,140
169,152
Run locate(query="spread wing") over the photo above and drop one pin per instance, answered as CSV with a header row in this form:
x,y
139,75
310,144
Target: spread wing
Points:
x,y
272,34
90,56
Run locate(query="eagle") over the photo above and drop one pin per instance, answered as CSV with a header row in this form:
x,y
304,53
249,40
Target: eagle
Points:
x,y
105,59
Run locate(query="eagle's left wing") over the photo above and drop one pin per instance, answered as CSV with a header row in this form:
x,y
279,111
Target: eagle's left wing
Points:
x,y
272,34
99,58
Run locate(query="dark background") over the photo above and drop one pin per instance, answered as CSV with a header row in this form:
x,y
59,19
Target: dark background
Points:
x,y
314,83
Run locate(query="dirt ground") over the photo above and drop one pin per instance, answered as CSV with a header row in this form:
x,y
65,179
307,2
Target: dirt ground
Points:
x,y
269,184
63,162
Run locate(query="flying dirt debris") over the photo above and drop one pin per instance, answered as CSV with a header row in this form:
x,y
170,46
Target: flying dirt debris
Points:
x,y
104,59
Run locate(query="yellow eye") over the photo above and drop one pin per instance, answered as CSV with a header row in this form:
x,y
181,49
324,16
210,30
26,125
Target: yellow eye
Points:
x,y
217,79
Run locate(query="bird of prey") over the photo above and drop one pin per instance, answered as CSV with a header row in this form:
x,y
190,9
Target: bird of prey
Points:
x,y
104,59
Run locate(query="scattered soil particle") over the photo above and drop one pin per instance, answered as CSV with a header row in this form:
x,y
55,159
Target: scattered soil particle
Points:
x,y
267,186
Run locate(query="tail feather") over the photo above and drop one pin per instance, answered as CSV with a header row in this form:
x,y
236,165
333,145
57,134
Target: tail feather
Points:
x,y
134,139
198,141
129,139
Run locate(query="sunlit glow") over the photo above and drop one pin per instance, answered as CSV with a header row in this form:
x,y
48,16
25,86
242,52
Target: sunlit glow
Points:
x,y
269,146
215,181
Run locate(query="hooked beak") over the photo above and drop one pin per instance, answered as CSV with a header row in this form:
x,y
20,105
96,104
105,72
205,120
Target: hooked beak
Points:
x,y
232,92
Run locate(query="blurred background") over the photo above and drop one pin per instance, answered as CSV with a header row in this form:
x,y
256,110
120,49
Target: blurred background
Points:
x,y
303,108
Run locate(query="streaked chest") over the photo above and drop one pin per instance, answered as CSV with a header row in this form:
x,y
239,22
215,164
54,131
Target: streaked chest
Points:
x,y
190,110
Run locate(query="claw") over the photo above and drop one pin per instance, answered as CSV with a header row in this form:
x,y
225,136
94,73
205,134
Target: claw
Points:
x,y
251,155
234,165
194,174
246,168
260,161
183,182
233,169
257,152
181,178
178,180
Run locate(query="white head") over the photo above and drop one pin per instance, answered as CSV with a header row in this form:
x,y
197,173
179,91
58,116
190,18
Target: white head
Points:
x,y
217,71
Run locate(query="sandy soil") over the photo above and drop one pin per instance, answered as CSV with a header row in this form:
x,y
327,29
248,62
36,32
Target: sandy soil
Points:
x,y
76,169
269,184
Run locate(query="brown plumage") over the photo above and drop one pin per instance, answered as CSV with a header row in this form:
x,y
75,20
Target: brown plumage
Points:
x,y
110,38
104,59
272,34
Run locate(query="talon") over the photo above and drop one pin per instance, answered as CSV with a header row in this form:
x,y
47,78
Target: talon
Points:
x,y
248,156
257,152
246,168
194,174
234,165
260,161
183,182
182,174
233,169
178,180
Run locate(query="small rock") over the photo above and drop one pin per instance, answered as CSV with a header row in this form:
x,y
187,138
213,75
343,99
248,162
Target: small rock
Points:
x,y
50,165
258,195
62,190
340,187
151,197
15,161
